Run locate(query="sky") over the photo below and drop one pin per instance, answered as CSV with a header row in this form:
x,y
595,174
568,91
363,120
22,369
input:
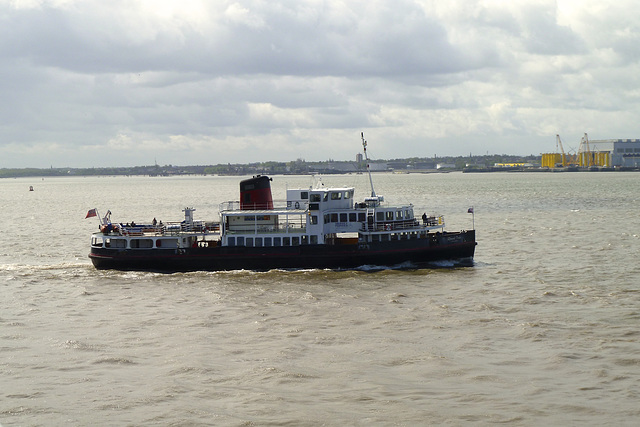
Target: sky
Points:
x,y
95,83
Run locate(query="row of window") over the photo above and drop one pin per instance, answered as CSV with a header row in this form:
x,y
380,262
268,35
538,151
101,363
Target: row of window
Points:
x,y
381,216
136,243
272,241
399,215
628,150
397,236
344,217
318,197
257,218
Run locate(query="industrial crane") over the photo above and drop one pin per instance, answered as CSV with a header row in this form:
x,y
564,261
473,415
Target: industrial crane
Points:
x,y
584,150
559,144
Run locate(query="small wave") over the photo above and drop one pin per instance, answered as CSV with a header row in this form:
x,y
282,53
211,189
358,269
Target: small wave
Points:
x,y
408,265
114,361
414,266
444,263
77,345
453,263
43,267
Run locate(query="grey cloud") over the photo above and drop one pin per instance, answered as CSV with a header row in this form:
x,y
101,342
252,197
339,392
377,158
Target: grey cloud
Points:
x,y
90,76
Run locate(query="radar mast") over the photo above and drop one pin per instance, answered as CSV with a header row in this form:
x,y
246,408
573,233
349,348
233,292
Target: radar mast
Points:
x,y
364,146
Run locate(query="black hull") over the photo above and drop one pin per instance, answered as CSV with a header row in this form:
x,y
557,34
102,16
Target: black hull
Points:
x,y
418,252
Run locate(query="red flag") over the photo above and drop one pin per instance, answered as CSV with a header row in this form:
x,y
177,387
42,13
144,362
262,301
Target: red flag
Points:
x,y
92,212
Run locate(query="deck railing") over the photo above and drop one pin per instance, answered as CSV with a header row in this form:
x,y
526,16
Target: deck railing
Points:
x,y
171,228
291,227
431,222
234,205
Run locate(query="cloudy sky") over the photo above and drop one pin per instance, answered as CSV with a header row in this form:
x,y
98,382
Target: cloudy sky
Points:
x,y
92,83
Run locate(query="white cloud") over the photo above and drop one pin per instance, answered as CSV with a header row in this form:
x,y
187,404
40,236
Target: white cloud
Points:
x,y
242,16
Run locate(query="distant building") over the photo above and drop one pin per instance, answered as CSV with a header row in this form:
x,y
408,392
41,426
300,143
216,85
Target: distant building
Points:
x,y
512,165
342,166
615,152
359,158
377,167
445,166
400,165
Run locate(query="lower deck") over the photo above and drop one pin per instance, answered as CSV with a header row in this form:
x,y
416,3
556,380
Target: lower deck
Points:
x,y
341,253
152,239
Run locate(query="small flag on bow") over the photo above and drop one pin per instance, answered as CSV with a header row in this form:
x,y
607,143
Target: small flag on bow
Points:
x,y
470,210
92,212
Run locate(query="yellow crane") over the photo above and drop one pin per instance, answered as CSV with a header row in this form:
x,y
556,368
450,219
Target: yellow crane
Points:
x,y
584,153
559,144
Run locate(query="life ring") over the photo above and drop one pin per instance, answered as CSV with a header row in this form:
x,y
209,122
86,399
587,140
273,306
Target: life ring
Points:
x,y
297,205
387,227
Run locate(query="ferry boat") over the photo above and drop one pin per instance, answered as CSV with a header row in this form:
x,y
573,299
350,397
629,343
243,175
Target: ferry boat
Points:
x,y
315,228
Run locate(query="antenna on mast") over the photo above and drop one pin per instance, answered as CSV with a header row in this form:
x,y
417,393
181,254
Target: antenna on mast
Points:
x,y
364,146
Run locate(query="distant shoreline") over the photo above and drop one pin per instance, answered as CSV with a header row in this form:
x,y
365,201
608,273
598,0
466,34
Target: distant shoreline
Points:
x,y
310,173
296,167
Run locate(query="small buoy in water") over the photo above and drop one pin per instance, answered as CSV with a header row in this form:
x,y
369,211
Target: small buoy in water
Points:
x,y
31,188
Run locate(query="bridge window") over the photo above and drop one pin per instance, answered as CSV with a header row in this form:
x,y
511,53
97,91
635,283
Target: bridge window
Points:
x,y
167,243
141,243
115,243
336,196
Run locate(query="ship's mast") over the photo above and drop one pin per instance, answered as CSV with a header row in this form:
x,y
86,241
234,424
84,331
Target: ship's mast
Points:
x,y
364,146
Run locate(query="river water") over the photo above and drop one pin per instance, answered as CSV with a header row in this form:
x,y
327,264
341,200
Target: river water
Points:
x,y
543,329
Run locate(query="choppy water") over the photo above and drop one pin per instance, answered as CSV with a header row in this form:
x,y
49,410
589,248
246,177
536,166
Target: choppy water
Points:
x,y
543,330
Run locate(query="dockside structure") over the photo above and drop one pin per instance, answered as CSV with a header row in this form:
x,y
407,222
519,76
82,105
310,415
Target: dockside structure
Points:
x,y
609,153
